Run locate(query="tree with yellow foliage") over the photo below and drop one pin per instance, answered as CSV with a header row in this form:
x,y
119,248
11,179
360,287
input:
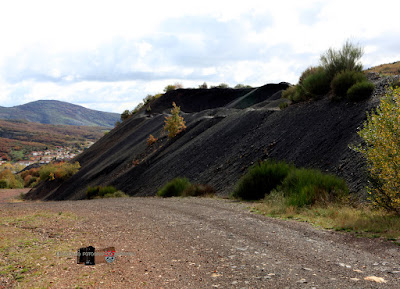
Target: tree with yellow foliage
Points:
x,y
174,124
381,134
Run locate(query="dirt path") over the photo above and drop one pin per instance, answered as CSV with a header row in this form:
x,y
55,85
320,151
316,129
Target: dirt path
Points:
x,y
200,243
10,195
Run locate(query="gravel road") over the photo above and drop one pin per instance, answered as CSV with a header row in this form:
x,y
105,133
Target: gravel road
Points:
x,y
214,243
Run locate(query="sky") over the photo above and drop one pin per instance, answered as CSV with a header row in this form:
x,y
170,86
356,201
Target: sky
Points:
x,y
109,55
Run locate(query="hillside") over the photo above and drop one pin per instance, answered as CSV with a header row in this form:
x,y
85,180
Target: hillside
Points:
x,y
386,69
18,137
227,131
59,113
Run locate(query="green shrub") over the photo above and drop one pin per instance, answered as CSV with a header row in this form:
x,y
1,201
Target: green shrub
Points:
x,y
198,191
304,187
344,80
4,184
203,86
8,180
125,115
294,93
283,105
222,85
61,171
169,88
104,192
241,86
313,83
395,83
92,192
261,179
33,181
172,87
176,187
336,61
45,172
316,83
361,90
310,70
117,194
17,182
289,92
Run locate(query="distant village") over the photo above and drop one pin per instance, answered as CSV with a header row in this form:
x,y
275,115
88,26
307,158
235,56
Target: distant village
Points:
x,y
48,156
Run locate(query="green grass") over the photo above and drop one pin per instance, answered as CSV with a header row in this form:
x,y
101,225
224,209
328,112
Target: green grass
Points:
x,y
300,186
99,192
283,105
311,196
176,187
261,179
181,187
361,220
305,187
28,251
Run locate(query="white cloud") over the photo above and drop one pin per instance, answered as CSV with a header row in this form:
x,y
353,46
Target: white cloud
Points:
x,y
109,55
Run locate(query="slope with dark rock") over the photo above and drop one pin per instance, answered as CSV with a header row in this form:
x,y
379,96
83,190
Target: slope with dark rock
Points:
x,y
59,113
221,142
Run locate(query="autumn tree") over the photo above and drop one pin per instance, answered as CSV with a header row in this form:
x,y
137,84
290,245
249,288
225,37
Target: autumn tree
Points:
x,y
151,140
174,124
381,134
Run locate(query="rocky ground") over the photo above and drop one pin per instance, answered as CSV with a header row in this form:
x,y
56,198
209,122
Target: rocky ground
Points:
x,y
192,243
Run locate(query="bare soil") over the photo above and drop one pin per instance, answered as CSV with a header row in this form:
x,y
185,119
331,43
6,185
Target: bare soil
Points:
x,y
9,195
189,243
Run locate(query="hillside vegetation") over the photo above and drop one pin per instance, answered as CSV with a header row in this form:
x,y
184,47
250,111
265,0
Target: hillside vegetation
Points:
x,y
386,69
18,137
59,113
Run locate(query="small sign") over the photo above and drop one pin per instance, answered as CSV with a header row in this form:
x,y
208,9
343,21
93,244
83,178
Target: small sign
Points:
x,y
91,256
86,255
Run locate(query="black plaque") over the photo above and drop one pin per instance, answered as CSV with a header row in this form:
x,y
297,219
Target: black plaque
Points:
x,y
86,256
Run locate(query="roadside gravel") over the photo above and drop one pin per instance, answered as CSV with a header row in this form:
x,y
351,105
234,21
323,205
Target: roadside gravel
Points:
x,y
211,243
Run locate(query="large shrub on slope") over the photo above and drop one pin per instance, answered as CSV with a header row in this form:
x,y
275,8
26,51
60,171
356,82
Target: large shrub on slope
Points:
x,y
261,179
344,80
304,187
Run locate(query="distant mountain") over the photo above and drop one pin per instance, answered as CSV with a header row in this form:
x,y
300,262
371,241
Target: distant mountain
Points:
x,y
59,113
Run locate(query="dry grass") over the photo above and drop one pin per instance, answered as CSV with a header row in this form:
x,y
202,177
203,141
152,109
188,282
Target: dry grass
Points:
x,y
29,246
361,220
386,69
